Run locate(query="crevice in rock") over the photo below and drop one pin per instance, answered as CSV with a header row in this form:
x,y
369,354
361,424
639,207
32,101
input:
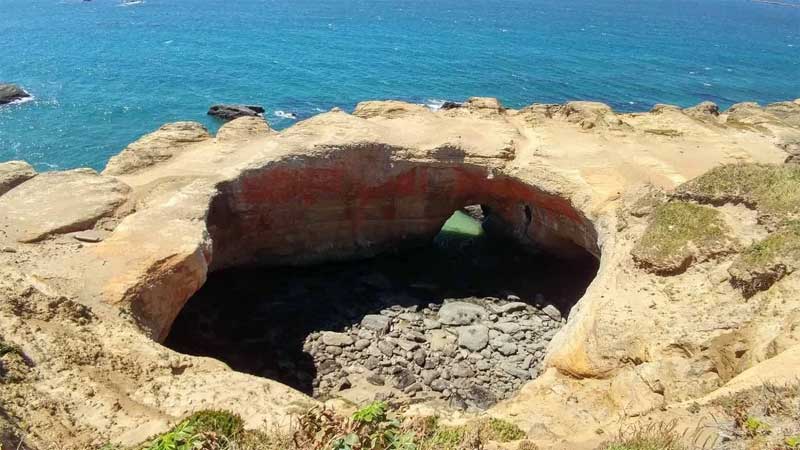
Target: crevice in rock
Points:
x,y
464,319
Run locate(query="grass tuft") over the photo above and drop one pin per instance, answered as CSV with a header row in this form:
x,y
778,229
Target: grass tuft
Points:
x,y
773,190
680,233
767,261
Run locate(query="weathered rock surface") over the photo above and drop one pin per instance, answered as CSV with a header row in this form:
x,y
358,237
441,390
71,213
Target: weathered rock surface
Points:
x,y
230,112
338,186
13,173
243,129
156,147
60,202
10,93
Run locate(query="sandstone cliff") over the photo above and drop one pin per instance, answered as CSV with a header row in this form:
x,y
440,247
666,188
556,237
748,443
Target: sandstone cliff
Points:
x,y
95,267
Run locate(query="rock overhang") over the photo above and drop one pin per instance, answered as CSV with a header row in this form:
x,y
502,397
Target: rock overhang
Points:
x,y
155,257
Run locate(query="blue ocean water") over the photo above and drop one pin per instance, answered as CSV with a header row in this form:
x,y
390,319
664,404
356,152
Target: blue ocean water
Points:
x,y
103,74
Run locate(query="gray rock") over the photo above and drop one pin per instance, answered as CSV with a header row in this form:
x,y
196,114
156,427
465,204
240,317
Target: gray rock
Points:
x,y
372,363
230,112
483,365
386,347
473,337
462,371
415,336
88,236
510,307
507,349
375,380
403,378
515,371
407,345
461,313
480,397
431,324
428,376
333,350
410,317
361,344
337,339
415,387
11,92
506,327
376,322
552,312
420,357
439,385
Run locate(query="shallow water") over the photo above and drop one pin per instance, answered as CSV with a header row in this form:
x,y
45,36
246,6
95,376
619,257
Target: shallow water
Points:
x,y
103,74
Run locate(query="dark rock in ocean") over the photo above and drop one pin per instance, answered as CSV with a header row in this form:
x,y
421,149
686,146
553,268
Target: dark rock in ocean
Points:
x,y
230,112
451,105
11,92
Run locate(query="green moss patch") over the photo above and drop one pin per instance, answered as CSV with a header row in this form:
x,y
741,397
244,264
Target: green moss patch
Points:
x,y
773,190
680,233
765,262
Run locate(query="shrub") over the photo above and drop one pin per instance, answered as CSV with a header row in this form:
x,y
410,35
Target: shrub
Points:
x,y
222,423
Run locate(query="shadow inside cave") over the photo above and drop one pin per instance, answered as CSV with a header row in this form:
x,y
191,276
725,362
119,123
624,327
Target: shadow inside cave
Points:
x,y
257,320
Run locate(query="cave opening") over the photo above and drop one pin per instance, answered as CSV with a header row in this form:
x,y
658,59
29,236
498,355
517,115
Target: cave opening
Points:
x,y
465,319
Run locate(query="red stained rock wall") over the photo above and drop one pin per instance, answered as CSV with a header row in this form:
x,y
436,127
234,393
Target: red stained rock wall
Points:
x,y
358,203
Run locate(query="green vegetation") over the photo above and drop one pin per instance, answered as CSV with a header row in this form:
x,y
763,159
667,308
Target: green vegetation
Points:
x,y
659,436
679,233
765,262
754,426
373,427
774,190
7,348
765,417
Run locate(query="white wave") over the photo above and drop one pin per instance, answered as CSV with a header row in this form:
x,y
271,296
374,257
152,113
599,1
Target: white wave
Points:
x,y
286,115
131,2
20,101
434,104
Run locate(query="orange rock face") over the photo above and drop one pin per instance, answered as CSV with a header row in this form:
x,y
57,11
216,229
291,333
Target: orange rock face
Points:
x,y
324,209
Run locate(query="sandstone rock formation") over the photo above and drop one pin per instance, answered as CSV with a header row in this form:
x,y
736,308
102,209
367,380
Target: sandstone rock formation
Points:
x,y
13,173
567,179
156,147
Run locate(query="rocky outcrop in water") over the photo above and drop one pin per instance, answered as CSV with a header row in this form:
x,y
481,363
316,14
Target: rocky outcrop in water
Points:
x,y
563,179
11,93
230,112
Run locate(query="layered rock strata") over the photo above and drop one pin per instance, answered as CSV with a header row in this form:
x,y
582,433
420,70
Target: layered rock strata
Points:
x,y
88,316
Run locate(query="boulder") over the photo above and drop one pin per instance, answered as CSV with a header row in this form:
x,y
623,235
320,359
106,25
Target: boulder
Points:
x,y
230,112
376,322
13,173
60,202
156,147
473,337
11,93
243,128
461,313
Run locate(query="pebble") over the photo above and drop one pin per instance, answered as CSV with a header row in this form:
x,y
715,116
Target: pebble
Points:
x,y
470,354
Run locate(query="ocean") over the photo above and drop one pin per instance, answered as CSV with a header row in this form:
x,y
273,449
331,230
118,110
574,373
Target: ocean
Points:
x,y
103,73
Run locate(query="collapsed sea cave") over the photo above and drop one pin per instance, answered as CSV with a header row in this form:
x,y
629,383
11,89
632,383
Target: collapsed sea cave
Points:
x,y
463,318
